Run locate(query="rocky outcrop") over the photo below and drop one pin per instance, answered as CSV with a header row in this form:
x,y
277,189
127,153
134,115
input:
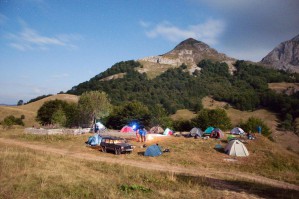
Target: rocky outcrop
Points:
x,y
193,51
285,56
189,52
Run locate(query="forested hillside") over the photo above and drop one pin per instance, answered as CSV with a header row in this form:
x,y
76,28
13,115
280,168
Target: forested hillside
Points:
x,y
246,89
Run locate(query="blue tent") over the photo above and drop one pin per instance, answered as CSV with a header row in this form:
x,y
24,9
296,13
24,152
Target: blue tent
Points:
x,y
209,130
153,150
94,140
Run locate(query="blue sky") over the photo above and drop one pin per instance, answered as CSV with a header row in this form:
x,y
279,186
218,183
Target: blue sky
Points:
x,y
48,46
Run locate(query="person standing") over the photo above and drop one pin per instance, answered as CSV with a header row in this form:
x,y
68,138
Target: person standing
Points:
x,y
144,132
259,129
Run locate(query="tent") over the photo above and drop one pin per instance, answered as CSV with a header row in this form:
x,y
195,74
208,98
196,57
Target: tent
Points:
x,y
237,131
94,140
127,129
99,126
217,133
157,129
168,132
196,132
153,150
209,130
236,148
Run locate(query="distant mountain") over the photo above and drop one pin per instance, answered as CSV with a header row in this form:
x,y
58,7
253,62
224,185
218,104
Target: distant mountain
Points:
x,y
285,56
189,52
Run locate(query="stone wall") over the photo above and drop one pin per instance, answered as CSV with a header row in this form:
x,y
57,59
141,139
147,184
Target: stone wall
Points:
x,y
42,131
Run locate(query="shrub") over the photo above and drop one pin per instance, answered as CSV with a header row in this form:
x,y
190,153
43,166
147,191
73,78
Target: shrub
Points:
x,y
253,123
216,117
12,120
184,125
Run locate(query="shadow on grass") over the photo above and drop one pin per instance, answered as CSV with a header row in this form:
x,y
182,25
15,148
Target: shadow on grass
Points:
x,y
249,187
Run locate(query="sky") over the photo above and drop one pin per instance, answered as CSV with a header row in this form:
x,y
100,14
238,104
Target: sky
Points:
x,y
49,46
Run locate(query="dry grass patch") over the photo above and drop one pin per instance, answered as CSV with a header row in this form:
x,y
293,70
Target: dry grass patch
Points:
x,y
153,69
266,158
31,174
284,86
183,114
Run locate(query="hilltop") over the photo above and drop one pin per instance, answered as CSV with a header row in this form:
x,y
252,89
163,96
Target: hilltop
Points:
x,y
189,52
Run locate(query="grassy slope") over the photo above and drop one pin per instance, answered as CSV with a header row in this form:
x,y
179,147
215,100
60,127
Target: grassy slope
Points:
x,y
282,86
153,69
25,173
30,110
286,139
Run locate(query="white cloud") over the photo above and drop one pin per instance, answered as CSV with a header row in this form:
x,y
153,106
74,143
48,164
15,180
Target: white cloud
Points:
x,y
30,39
208,31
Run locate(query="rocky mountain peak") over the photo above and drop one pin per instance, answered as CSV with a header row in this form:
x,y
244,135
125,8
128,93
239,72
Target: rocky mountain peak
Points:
x,y
285,56
189,52
191,43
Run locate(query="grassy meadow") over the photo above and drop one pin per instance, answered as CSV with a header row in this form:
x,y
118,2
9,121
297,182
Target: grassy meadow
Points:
x,y
61,166
192,169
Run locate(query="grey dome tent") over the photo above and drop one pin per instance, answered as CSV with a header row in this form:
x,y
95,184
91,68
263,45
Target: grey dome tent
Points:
x,y
237,131
153,150
196,132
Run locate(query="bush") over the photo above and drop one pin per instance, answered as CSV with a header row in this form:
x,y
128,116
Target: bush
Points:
x,y
125,114
216,117
184,125
253,123
12,120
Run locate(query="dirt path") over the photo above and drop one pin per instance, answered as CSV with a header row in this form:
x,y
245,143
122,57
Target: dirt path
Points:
x,y
209,173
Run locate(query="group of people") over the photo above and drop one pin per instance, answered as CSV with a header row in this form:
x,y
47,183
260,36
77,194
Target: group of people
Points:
x,y
141,134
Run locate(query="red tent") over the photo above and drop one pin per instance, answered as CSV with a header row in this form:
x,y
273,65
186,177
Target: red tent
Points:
x,y
126,129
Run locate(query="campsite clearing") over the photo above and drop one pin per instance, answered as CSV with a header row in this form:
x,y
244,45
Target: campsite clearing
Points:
x,y
269,171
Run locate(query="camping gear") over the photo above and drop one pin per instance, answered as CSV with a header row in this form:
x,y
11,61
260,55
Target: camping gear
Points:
x,y
127,129
156,130
230,137
168,132
237,131
153,151
236,148
196,132
209,130
94,140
